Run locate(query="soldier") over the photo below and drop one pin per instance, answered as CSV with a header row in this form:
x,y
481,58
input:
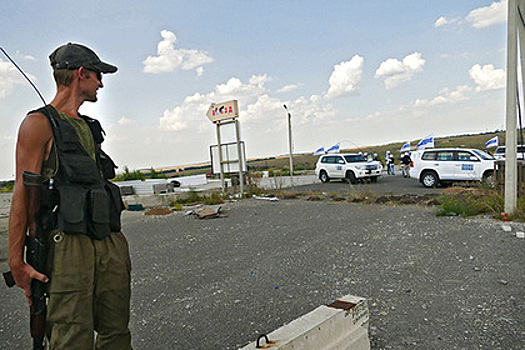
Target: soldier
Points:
x,y
88,263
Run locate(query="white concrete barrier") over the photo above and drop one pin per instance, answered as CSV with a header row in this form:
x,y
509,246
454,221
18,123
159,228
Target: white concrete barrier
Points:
x,y
342,325
148,186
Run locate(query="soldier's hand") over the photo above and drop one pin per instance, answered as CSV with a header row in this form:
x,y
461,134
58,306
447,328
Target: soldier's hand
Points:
x,y
23,276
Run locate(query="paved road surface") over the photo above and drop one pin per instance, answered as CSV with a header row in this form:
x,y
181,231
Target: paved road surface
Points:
x,y
432,282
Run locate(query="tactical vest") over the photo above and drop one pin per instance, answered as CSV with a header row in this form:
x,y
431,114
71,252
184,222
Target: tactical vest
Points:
x,y
80,197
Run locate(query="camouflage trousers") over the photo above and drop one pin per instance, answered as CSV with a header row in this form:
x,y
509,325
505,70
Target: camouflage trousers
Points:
x,y
89,292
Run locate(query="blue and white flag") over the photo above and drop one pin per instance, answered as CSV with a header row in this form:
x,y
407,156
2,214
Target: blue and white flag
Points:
x,y
319,151
493,142
406,147
427,142
333,149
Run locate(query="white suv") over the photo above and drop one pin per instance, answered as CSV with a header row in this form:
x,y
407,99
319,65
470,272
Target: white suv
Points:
x,y
500,153
437,165
350,167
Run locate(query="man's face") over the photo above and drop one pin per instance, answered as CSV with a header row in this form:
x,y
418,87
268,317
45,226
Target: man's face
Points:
x,y
92,82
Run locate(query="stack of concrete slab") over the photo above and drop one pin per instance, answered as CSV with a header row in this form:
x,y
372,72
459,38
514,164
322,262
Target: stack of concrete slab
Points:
x,y
157,186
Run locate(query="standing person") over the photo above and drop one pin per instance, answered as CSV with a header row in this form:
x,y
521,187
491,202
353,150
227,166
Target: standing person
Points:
x,y
88,264
391,163
387,162
405,164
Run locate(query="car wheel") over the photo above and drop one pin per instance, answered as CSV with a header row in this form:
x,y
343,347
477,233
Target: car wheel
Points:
x,y
350,177
429,179
373,179
488,179
323,176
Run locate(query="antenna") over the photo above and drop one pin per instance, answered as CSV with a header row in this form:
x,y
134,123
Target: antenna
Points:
x,y
25,76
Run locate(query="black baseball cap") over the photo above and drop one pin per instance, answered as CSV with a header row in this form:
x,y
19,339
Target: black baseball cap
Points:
x,y
73,56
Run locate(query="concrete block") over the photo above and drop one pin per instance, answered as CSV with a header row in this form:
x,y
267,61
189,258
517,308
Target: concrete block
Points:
x,y
342,325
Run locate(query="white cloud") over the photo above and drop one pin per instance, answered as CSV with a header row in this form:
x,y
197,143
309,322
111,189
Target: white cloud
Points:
x,y
9,77
309,111
169,59
191,113
288,88
235,88
445,96
264,108
487,77
174,119
489,15
441,21
125,121
260,80
449,22
396,72
345,78
255,103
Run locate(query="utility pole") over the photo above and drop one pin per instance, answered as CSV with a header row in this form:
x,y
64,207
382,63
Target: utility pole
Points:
x,y
290,143
511,171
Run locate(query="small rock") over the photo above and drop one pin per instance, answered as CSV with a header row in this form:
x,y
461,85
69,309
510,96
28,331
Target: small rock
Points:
x,y
504,282
520,234
506,228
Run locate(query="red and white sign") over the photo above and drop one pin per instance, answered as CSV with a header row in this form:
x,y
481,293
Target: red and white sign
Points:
x,y
223,111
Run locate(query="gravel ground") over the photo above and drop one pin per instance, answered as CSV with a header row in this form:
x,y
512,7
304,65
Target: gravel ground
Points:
x,y
432,282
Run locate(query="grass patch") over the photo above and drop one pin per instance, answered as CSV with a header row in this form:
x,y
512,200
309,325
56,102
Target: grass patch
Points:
x,y
475,201
193,197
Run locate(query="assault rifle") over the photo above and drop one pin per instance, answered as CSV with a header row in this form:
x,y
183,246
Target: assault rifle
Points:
x,y
36,257
35,243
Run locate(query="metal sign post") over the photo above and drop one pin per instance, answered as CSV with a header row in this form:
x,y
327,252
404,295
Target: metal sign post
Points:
x,y
222,114
221,164
290,143
239,152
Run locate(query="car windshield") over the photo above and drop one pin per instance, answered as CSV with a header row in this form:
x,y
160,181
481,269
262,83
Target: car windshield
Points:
x,y
500,150
483,155
352,158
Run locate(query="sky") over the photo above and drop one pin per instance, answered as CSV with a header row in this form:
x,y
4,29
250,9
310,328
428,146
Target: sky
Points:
x,y
354,72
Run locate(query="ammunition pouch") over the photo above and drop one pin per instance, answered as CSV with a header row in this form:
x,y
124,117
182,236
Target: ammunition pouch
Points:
x,y
107,166
76,165
85,211
48,208
116,206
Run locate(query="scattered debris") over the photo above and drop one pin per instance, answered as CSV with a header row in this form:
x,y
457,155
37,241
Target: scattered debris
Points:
x,y
520,234
506,228
382,200
273,199
433,201
135,207
504,282
207,212
457,190
158,211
